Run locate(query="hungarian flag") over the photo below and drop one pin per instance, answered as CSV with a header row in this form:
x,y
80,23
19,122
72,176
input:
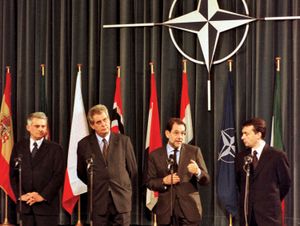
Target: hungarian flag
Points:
x,y
73,186
226,183
7,138
117,124
276,137
185,108
43,99
153,137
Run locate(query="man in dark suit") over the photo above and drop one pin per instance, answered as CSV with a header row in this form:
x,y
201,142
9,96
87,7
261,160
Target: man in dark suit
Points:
x,y
114,167
43,166
269,179
189,171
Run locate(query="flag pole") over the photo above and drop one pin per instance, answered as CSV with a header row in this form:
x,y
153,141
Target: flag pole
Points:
x,y
208,93
79,67
79,200
43,69
79,213
230,62
278,63
119,71
184,65
151,67
6,222
153,214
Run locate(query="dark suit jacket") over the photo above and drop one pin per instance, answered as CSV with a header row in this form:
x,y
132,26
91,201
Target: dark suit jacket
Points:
x,y
116,175
268,185
43,174
186,191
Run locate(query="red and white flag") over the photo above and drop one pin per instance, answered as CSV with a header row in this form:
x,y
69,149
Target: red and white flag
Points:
x,y
153,137
7,138
73,186
117,124
185,108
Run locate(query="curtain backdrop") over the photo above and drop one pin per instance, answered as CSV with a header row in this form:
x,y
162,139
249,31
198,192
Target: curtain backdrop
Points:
x,y
64,33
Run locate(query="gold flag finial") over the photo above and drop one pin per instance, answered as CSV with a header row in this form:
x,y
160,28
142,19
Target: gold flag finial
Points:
x,y
184,65
230,64
8,69
43,69
119,71
151,67
278,63
79,67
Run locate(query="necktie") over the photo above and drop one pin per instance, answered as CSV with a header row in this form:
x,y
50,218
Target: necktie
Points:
x,y
255,159
104,149
34,150
175,166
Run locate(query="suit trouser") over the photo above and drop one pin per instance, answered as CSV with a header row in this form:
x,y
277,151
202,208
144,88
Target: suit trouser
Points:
x,y
112,217
178,218
39,220
252,219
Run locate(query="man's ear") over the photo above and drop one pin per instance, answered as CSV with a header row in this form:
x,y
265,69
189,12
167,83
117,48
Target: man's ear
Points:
x,y
167,133
28,128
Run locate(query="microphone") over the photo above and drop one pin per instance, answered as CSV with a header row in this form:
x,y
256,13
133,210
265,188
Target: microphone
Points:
x,y
90,162
18,160
248,159
170,161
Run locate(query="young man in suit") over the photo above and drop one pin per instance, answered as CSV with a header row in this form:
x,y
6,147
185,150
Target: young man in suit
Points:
x,y
269,180
114,168
189,171
43,169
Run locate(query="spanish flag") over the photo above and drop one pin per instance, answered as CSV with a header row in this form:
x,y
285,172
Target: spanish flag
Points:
x,y
7,138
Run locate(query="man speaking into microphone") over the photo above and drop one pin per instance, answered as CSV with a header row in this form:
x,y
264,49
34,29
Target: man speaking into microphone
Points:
x,y
269,180
175,171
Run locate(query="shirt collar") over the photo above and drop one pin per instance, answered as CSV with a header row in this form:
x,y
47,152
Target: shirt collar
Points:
x,y
259,149
99,138
170,149
39,142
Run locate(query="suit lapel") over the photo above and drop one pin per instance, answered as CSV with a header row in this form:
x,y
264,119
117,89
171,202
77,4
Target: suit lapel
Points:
x,y
163,158
112,145
95,147
263,159
42,151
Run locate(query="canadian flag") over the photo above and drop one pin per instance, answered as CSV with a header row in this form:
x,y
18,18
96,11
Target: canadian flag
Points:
x,y
73,186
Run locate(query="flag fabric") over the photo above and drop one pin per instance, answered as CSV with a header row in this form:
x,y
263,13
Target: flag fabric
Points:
x,y
7,138
226,183
276,136
117,124
43,99
153,137
185,108
73,186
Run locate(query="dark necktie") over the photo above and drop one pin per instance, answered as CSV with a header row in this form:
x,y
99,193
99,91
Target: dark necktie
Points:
x,y
255,159
175,166
34,150
104,149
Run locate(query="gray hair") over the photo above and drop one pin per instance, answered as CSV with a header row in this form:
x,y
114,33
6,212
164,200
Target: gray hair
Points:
x,y
97,109
39,115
